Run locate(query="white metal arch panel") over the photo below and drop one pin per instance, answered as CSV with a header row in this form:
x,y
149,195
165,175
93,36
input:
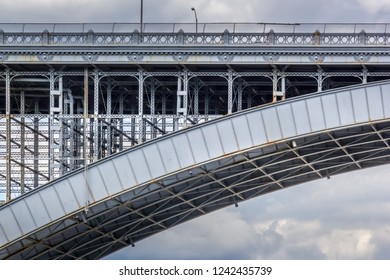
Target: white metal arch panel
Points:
x,y
123,172
242,132
375,108
344,101
301,117
386,99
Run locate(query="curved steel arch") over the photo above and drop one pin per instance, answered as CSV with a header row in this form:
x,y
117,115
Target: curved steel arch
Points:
x,y
183,175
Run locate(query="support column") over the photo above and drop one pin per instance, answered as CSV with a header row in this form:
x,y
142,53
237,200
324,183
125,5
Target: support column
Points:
x,y
249,100
95,116
206,105
55,130
240,89
61,123
319,80
22,143
51,127
230,92
278,95
71,136
8,133
85,116
164,111
274,85
196,101
153,109
365,74
141,128
121,101
283,89
185,101
36,143
182,93
109,120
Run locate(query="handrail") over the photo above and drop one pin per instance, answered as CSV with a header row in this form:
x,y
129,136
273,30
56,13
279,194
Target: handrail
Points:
x,y
215,27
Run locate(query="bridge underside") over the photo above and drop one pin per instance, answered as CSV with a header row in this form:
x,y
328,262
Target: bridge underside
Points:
x,y
162,183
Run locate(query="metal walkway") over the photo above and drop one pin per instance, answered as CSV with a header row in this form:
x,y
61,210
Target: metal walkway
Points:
x,y
119,200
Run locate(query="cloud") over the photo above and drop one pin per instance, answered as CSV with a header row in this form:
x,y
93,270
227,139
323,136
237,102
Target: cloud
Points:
x,y
347,244
207,10
223,235
313,239
374,6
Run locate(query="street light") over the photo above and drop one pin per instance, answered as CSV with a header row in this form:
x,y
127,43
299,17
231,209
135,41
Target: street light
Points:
x,y
141,18
196,19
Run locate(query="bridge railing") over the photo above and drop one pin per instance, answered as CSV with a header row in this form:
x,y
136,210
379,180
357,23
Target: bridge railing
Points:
x,y
210,34
191,27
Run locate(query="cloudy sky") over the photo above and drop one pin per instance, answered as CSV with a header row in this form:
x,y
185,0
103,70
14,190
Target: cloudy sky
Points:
x,y
346,217
207,10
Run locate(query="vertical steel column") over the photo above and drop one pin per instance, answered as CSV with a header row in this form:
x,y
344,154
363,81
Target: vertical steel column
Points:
x,y
206,105
85,116
79,134
95,116
164,110
196,101
153,108
22,142
276,93
249,100
121,101
141,107
72,145
274,85
365,74
36,142
8,133
185,97
52,127
239,98
185,88
65,137
61,130
230,92
182,96
109,120
320,80
179,104
55,126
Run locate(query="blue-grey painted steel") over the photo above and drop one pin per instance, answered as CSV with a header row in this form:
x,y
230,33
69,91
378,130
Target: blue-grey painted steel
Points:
x,y
138,192
179,43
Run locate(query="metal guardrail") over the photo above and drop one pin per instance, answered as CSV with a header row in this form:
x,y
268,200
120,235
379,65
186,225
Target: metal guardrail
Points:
x,y
294,28
80,37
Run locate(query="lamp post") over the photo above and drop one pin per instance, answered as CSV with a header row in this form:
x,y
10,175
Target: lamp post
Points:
x,y
196,19
141,15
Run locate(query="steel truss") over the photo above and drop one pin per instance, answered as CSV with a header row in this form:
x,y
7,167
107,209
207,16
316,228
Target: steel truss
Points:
x,y
73,94
46,131
167,181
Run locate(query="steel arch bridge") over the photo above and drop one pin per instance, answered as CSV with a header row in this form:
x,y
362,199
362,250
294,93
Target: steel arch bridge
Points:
x,y
117,201
87,161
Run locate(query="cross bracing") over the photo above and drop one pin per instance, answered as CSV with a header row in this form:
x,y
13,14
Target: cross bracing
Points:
x,y
115,111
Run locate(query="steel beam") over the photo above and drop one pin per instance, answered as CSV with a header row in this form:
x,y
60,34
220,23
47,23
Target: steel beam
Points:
x,y
8,133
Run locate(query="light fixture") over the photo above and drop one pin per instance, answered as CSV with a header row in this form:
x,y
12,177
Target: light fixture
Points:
x,y
196,19
293,144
